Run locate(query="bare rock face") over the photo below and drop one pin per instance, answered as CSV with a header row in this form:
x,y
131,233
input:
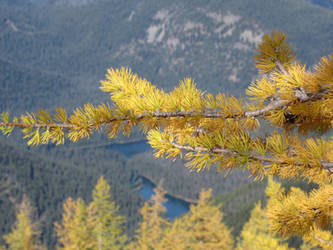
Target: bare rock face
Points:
x,y
72,2
200,40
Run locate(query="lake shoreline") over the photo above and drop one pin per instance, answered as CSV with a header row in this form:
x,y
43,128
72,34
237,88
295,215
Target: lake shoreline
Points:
x,y
178,197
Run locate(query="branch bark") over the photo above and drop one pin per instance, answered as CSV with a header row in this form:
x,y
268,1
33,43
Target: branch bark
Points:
x,y
328,166
322,240
273,105
37,125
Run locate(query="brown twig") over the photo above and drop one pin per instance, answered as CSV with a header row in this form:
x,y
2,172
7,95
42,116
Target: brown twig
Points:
x,y
322,240
37,125
328,166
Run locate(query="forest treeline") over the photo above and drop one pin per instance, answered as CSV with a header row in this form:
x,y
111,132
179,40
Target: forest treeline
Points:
x,y
67,171
98,225
48,181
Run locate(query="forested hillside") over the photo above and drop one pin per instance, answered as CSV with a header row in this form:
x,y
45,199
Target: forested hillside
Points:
x,y
211,41
47,182
182,182
54,53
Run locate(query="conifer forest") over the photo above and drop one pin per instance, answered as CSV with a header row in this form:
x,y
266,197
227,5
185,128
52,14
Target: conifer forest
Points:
x,y
210,126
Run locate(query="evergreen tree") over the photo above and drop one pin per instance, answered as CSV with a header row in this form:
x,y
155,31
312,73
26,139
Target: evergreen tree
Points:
x,y
150,234
201,228
108,225
25,233
220,130
76,230
94,226
256,233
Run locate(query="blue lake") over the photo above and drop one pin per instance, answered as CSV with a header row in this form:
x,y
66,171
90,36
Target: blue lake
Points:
x,y
175,207
130,148
323,3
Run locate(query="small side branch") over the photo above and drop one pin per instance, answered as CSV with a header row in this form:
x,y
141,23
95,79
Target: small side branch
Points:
x,y
280,66
205,150
322,240
328,166
275,105
37,125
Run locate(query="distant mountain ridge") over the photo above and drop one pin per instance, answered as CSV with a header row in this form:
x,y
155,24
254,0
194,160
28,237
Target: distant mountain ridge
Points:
x,y
163,41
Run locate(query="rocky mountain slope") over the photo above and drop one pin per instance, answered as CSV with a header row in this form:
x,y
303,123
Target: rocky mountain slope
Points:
x,y
163,41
